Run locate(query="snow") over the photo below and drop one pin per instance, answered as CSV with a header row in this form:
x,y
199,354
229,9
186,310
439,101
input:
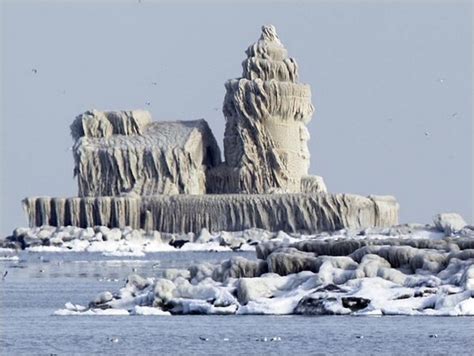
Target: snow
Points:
x,y
47,249
113,312
76,309
304,292
8,254
138,310
131,242
402,270
9,258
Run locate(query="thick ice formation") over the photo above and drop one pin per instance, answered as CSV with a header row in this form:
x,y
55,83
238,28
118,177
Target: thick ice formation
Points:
x,y
265,139
313,184
265,143
128,241
168,176
98,124
118,153
187,213
372,275
451,223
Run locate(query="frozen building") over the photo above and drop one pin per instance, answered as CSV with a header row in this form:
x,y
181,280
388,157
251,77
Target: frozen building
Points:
x,y
169,176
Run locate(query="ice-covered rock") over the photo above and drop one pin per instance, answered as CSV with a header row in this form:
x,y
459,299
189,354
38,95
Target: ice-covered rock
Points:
x,y
204,237
450,223
290,260
467,279
201,271
365,276
238,267
317,305
163,291
123,242
136,282
255,288
313,184
130,242
102,298
173,273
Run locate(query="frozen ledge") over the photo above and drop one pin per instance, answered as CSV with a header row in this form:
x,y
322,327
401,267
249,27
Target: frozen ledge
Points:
x,y
190,213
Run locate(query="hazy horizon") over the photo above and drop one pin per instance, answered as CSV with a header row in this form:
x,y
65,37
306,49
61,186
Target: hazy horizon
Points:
x,y
391,84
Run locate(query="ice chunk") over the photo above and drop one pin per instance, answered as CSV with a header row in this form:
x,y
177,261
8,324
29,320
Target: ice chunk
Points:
x,y
450,223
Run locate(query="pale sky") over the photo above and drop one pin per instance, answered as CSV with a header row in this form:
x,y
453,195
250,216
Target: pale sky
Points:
x,y
391,83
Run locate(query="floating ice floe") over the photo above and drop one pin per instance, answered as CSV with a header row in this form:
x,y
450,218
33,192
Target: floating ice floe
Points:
x,y
407,275
8,254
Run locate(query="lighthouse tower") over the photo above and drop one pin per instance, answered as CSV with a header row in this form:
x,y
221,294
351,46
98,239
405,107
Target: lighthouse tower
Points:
x,y
266,110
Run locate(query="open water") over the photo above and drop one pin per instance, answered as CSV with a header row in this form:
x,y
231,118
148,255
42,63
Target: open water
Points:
x,y
40,283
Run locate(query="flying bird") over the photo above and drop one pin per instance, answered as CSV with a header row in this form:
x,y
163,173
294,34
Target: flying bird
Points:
x,y
34,70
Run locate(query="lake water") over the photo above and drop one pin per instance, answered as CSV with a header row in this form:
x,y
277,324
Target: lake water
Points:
x,y
40,283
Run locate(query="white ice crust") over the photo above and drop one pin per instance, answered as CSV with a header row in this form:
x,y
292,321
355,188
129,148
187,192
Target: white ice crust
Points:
x,y
405,270
138,242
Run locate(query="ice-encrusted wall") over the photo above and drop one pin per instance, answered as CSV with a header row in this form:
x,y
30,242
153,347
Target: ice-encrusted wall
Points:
x,y
124,152
236,212
265,142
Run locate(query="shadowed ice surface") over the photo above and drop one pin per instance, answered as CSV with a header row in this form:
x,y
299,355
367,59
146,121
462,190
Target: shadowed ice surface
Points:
x,y
39,283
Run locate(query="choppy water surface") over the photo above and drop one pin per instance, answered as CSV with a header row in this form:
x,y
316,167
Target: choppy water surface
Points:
x,y
40,283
